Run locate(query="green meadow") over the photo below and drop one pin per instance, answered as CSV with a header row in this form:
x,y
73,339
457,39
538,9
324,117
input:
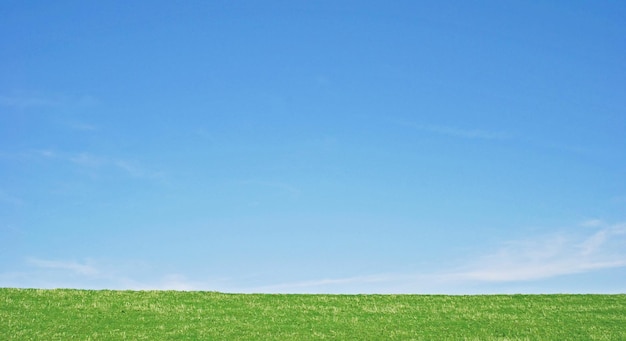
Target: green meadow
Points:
x,y
34,314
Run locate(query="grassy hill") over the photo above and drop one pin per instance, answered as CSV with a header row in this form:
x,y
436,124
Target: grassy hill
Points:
x,y
31,314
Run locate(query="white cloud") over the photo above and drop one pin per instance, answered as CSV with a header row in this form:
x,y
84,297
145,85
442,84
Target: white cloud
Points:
x,y
27,102
87,160
52,101
275,185
534,259
70,266
319,285
322,80
7,198
91,274
178,282
81,126
459,132
592,223
47,153
550,256
480,134
517,262
132,168
95,162
467,133
129,167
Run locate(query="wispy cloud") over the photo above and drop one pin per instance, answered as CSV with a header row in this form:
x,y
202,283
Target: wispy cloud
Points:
x,y
134,169
491,135
322,80
10,199
592,223
514,262
521,261
26,101
91,274
317,284
82,126
177,282
549,256
99,162
458,132
275,185
70,266
86,160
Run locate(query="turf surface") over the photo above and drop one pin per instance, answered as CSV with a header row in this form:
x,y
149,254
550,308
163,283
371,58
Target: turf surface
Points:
x,y
32,314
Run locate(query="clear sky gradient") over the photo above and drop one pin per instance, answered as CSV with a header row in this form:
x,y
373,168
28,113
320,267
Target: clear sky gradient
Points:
x,y
314,146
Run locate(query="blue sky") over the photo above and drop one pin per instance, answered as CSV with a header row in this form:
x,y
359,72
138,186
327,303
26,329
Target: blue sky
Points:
x,y
314,146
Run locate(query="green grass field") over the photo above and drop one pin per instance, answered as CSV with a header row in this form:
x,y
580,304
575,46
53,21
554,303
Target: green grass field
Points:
x,y
31,314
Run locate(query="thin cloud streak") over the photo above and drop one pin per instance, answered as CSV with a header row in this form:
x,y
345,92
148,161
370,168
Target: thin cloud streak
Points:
x,y
515,262
280,186
98,162
315,285
81,126
488,135
71,266
10,199
459,132
536,259
94,275
33,101
27,102
547,257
